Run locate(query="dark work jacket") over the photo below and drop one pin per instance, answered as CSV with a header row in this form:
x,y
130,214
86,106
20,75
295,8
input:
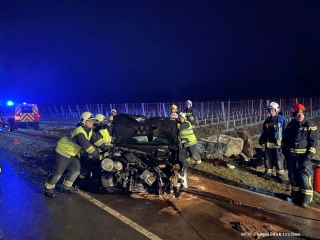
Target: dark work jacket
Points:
x,y
269,131
301,138
191,115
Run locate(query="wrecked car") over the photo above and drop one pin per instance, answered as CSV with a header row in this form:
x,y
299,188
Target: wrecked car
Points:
x,y
145,157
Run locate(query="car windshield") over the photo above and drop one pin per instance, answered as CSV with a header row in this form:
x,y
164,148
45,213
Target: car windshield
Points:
x,y
147,140
141,130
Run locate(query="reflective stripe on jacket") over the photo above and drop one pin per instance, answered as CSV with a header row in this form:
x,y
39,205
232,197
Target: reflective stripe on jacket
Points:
x,y
301,138
67,147
186,132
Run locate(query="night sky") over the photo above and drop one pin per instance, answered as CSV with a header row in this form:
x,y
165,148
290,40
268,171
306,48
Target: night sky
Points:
x,y
71,52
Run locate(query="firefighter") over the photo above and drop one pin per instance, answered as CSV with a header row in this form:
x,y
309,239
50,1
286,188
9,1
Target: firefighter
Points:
x,y
191,113
101,128
271,138
186,133
68,152
299,146
174,115
113,113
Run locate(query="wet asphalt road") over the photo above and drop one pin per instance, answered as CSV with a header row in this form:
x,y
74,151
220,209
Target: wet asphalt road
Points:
x,y
26,214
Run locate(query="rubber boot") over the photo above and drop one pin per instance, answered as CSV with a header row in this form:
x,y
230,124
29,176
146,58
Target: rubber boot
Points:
x,y
305,205
49,193
66,189
197,163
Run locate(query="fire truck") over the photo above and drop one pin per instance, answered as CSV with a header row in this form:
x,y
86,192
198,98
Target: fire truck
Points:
x,y
19,116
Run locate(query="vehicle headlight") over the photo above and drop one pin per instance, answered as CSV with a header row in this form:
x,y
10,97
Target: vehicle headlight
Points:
x,y
107,164
117,165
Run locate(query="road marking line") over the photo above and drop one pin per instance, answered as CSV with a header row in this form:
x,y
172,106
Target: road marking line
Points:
x,y
119,216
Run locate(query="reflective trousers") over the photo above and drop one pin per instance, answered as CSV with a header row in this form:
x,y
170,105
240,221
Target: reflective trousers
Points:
x,y
193,152
61,164
300,173
274,158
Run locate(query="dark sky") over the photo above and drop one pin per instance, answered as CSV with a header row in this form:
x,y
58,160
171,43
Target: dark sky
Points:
x,y
157,51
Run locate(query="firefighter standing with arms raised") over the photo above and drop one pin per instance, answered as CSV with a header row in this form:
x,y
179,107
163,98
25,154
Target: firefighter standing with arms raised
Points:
x,y
271,137
299,146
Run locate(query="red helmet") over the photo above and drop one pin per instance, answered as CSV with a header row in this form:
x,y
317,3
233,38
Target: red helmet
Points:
x,y
297,107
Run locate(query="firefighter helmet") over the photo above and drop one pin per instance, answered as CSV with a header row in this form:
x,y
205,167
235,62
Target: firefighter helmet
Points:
x,y
100,118
274,105
86,116
188,102
182,115
297,107
174,106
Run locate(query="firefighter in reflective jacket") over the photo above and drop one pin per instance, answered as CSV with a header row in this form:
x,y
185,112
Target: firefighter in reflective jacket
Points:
x,y
101,128
68,151
191,114
271,137
186,133
174,115
299,146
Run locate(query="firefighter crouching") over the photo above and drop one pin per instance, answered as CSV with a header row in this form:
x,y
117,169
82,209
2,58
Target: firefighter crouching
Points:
x,y
299,142
100,127
68,151
271,137
186,132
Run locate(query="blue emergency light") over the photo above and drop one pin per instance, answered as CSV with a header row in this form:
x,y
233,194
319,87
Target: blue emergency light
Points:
x,y
10,103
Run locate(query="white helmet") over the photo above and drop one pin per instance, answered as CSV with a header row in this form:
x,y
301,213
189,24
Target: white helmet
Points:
x,y
86,116
275,106
188,101
182,115
113,110
100,118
